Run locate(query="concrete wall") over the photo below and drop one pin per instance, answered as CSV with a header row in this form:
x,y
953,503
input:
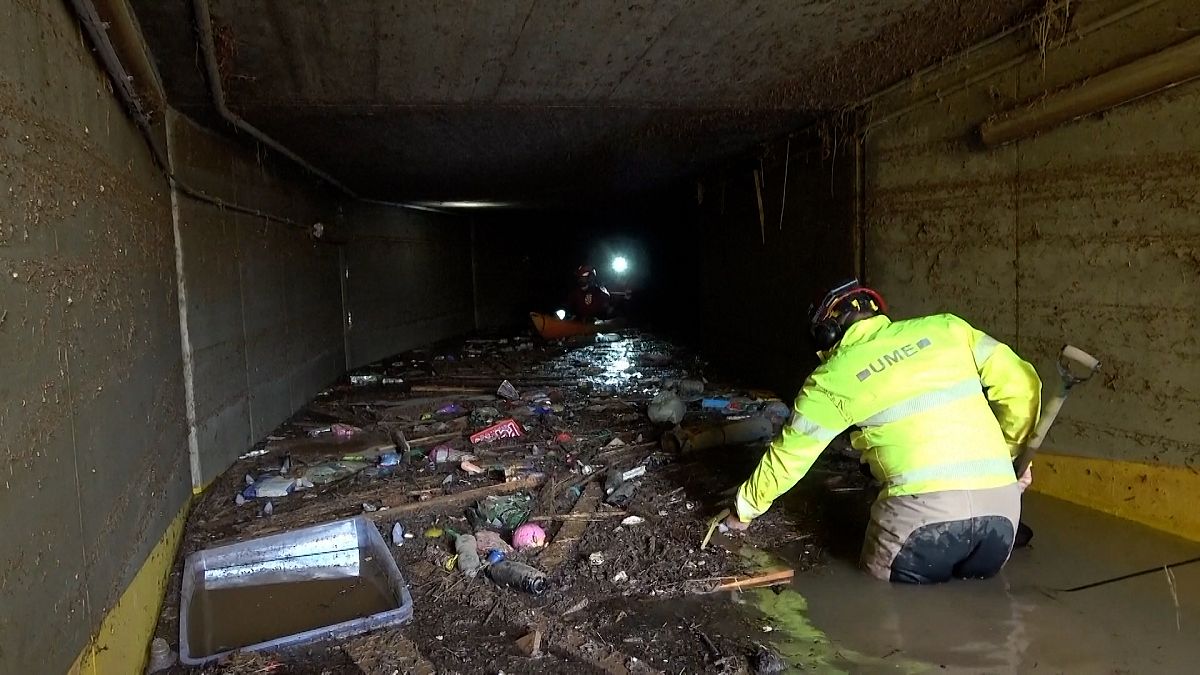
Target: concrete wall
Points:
x,y
1088,233
408,279
92,432
263,312
755,282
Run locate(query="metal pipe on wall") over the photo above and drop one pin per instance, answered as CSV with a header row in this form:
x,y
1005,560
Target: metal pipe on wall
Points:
x,y
1074,36
1168,68
123,86
213,70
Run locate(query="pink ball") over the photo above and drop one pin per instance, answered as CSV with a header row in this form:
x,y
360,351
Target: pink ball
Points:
x,y
529,535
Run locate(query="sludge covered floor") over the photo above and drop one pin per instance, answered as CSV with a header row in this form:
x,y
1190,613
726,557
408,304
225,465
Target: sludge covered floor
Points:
x,y
629,589
625,597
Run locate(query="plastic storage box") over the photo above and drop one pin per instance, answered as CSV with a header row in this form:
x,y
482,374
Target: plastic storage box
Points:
x,y
328,551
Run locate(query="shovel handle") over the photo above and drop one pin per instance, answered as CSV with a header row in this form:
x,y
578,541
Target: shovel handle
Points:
x,y
1084,359
1070,355
1049,412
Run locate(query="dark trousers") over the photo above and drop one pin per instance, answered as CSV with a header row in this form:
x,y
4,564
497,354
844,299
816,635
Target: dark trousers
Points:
x,y
975,548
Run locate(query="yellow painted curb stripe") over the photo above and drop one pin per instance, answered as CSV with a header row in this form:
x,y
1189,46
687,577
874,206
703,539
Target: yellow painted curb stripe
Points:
x,y
1163,497
121,645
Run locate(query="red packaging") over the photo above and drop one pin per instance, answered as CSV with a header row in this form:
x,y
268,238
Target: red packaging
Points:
x,y
508,428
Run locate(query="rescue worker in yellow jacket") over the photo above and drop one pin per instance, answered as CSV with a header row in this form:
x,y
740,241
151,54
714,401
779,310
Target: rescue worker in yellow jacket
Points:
x,y
940,409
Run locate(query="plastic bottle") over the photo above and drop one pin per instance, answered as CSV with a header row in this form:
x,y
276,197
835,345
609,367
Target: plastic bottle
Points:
x,y
443,454
689,390
161,656
666,407
518,575
468,557
777,411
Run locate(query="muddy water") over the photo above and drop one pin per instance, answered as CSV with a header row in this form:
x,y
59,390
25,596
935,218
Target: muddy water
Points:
x,y
837,619
227,618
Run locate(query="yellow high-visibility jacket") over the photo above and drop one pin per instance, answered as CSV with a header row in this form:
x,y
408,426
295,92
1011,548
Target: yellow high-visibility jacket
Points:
x,y
938,404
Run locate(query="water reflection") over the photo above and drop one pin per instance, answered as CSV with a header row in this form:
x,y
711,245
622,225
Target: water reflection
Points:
x,y
805,646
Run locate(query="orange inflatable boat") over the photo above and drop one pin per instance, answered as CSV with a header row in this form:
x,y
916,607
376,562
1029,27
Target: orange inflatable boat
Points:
x,y
551,327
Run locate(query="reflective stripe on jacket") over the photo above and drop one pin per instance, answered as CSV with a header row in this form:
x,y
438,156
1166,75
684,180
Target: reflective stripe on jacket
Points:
x,y
938,404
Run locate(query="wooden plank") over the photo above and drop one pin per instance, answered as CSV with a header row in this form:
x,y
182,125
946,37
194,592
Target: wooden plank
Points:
x,y
770,578
396,507
570,531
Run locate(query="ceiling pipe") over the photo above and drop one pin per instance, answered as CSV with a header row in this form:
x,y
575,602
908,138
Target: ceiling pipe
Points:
x,y
96,29
208,49
939,94
213,70
1150,74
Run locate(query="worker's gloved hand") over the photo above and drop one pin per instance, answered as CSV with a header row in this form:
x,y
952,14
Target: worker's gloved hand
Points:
x,y
1026,479
733,525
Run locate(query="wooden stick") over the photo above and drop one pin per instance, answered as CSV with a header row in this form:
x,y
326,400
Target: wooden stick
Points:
x,y
449,389
450,435
464,497
624,449
771,578
580,516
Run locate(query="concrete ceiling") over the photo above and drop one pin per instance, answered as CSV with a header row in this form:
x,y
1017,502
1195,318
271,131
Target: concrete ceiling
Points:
x,y
546,101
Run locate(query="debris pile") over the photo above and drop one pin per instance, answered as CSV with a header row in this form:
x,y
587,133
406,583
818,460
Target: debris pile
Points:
x,y
523,485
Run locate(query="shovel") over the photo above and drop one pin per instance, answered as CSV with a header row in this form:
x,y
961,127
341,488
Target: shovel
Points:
x,y
1075,366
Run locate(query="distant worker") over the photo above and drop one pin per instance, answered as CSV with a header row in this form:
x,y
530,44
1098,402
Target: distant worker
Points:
x,y
941,411
589,300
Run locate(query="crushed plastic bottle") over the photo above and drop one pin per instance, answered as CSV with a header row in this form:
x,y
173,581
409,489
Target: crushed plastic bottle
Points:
x,y
508,391
689,390
666,407
777,411
468,557
445,453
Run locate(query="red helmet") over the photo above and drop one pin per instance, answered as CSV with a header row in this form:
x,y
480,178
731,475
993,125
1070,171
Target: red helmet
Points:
x,y
585,275
825,318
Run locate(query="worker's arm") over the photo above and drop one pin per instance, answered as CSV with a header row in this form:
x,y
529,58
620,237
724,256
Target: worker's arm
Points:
x,y
1012,387
814,423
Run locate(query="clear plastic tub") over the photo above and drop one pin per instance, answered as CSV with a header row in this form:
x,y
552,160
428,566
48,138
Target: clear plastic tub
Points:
x,y
348,553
